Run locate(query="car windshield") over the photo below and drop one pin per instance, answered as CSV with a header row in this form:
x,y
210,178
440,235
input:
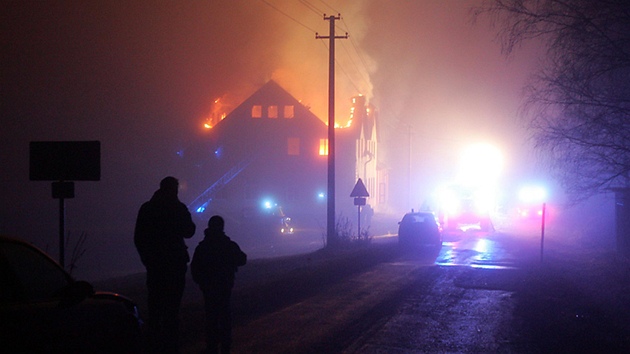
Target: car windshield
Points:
x,y
419,218
30,275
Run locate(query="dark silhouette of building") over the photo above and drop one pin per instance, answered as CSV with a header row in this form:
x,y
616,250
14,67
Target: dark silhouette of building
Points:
x,y
271,152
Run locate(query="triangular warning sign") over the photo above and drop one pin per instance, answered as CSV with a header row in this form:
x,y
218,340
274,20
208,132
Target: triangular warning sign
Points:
x,y
359,190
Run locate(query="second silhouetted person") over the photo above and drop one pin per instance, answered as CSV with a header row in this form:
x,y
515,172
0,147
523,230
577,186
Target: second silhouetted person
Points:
x,y
214,263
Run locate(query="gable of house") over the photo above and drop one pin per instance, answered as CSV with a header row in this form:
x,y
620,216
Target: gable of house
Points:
x,y
269,145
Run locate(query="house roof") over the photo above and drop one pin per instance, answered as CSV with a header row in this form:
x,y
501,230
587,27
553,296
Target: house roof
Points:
x,y
293,118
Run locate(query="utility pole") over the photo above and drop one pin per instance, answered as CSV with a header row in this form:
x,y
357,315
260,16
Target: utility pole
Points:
x,y
409,202
330,229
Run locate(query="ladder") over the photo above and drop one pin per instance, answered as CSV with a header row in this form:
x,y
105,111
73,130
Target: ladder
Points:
x,y
200,203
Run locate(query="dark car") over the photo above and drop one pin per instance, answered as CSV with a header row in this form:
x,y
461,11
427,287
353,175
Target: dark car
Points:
x,y
419,229
43,309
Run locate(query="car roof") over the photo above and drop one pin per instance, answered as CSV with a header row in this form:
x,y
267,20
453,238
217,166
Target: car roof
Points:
x,y
8,239
5,238
421,213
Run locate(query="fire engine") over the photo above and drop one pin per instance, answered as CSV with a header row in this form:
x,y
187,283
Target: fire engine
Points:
x,y
470,201
466,208
530,200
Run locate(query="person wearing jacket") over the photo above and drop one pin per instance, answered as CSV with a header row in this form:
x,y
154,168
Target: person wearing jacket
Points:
x,y
213,267
161,227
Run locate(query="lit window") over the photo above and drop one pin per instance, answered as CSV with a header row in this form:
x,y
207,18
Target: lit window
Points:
x,y
272,111
256,111
293,146
288,111
323,147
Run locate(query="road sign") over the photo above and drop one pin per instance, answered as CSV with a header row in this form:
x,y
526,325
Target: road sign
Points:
x,y
359,190
359,201
65,161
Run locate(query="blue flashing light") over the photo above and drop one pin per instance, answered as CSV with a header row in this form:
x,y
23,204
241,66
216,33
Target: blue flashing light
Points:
x,y
202,208
218,153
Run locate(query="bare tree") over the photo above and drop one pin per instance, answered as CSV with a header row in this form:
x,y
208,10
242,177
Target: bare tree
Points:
x,y
578,104
78,250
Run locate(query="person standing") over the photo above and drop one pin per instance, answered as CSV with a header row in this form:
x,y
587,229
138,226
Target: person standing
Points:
x,y
213,267
161,227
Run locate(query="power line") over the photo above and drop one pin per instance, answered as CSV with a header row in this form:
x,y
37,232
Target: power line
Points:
x,y
330,7
356,48
289,16
356,67
312,7
318,11
337,63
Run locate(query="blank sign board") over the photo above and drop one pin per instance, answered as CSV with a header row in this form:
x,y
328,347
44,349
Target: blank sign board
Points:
x,y
65,161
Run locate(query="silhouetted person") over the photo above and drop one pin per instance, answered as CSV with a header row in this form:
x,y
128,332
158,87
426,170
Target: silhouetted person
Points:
x,y
162,225
214,263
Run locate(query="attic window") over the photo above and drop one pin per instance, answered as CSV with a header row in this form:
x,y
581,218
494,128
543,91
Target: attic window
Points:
x,y
272,111
256,111
288,112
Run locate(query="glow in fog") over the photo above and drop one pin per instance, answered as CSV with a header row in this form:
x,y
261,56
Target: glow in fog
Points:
x,y
483,246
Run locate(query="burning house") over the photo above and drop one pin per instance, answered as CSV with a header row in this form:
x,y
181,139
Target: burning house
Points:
x,y
267,159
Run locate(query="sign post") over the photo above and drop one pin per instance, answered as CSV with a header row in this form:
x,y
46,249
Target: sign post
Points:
x,y
62,190
359,192
542,230
63,161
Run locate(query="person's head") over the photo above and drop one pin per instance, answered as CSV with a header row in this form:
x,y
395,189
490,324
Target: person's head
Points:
x,y
216,224
169,185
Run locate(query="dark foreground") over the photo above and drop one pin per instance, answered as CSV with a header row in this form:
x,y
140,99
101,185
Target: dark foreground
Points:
x,y
377,299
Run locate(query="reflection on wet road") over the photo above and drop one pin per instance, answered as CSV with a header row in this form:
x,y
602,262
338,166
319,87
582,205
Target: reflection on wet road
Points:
x,y
475,249
485,250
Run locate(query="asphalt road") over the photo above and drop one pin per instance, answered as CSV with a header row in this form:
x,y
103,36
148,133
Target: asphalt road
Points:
x,y
493,293
461,310
478,293
425,300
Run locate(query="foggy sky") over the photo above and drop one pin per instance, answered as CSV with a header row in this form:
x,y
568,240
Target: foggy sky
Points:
x,y
141,77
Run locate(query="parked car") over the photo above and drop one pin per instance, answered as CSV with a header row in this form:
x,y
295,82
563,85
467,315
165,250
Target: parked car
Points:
x,y
43,309
419,229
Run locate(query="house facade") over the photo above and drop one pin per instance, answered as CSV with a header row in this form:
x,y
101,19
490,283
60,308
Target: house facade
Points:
x,y
358,156
269,157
